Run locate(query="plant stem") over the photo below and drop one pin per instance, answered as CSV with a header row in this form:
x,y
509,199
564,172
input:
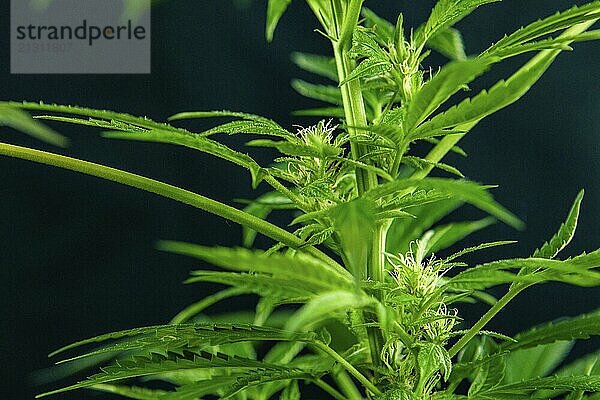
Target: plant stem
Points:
x,y
171,192
275,184
439,151
479,325
329,389
354,107
347,385
377,260
356,117
347,366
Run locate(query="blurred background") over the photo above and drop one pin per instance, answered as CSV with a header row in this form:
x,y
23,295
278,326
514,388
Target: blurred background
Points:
x,y
77,253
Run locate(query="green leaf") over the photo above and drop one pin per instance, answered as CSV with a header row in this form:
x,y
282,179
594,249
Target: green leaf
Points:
x,y
143,129
215,385
365,45
404,231
275,10
580,327
432,358
325,306
381,27
194,142
449,80
105,115
487,369
249,127
219,114
574,271
131,392
480,279
448,42
21,121
445,14
156,364
478,247
368,68
291,392
455,149
510,391
276,287
354,223
259,378
565,233
368,167
446,235
326,93
296,149
163,339
421,163
463,190
499,96
299,266
196,308
317,64
486,372
558,43
556,22
587,365
536,361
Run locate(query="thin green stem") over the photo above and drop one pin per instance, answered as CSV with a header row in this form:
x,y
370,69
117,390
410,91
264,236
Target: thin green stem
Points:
x,y
348,367
329,389
168,191
275,184
439,151
194,309
487,317
405,338
346,385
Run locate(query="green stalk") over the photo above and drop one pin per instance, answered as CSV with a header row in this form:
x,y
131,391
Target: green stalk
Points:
x,y
348,367
377,260
487,317
354,106
356,117
169,191
329,389
346,385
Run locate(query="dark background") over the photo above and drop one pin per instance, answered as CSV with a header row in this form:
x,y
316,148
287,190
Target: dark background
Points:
x,y
76,253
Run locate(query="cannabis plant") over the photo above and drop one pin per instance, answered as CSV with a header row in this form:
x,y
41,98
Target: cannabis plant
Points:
x,y
360,298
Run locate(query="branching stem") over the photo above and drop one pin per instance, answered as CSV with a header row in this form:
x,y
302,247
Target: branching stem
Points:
x,y
169,191
487,317
348,367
